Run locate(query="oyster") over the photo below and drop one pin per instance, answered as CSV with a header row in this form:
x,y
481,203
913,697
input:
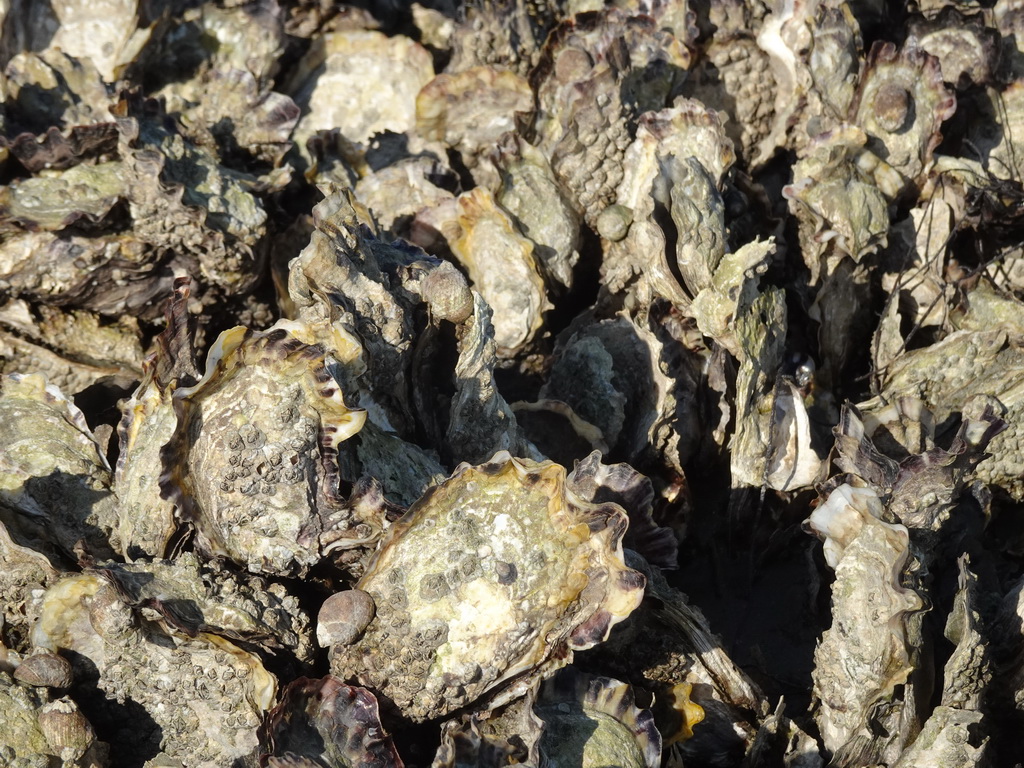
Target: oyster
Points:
x,y
73,350
900,104
37,732
345,69
327,721
252,462
54,479
871,558
502,267
147,520
122,654
639,236
493,577
593,721
472,109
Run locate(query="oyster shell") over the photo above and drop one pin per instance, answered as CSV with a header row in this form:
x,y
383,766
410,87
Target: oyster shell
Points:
x,y
147,520
493,577
861,668
54,479
73,350
35,732
344,70
326,721
252,462
502,267
471,109
124,655
534,199
594,721
900,104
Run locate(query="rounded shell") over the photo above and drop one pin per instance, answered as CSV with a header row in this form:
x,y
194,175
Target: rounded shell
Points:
x,y
343,617
900,104
253,460
46,670
496,574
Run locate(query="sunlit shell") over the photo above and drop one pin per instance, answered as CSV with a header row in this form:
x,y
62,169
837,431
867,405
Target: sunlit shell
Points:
x,y
219,692
106,32
858,664
968,365
900,104
344,72
73,349
735,76
594,722
590,92
53,474
835,199
26,574
147,520
252,463
191,597
966,48
37,732
497,574
502,267
471,109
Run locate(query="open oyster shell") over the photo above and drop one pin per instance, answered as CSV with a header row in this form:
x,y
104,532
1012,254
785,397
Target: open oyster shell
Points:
x,y
493,577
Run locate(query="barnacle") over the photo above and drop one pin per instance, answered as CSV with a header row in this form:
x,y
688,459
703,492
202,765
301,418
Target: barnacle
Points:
x,y
505,341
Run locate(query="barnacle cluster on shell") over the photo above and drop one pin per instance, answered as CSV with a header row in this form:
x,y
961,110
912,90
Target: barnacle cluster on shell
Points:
x,y
537,382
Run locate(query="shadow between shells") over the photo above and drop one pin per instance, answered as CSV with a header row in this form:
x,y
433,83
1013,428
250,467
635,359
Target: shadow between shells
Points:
x,y
542,383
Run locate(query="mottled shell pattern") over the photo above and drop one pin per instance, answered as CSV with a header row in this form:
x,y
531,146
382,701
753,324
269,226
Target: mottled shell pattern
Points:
x,y
253,460
497,573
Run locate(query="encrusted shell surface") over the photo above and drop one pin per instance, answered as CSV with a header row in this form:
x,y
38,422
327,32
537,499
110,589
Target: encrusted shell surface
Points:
x,y
900,104
146,519
53,475
253,460
346,70
870,557
502,267
471,109
220,690
40,733
496,574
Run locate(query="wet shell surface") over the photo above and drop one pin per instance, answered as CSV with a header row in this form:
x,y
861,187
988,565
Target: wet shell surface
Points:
x,y
497,573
